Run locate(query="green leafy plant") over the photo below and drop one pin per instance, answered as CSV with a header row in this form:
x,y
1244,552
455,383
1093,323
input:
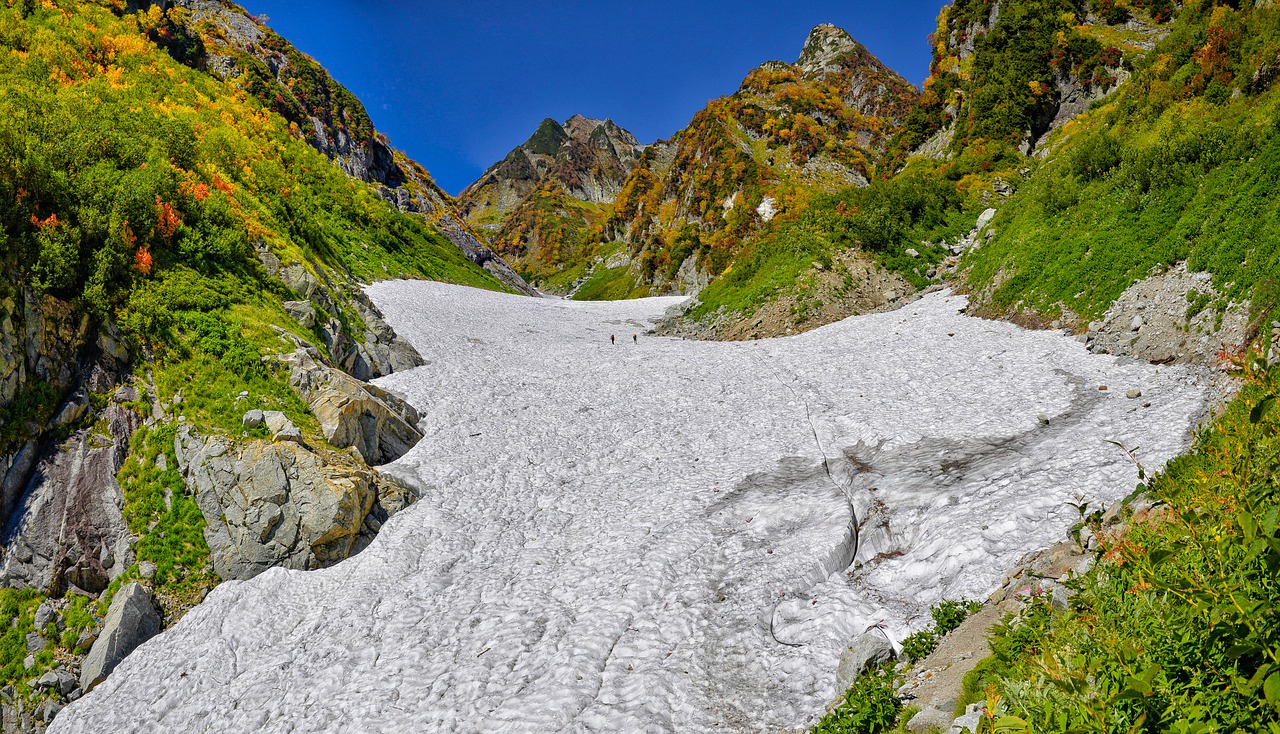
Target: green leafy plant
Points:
x,y
870,706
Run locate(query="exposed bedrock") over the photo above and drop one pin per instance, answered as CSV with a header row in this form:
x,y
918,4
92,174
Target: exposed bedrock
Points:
x,y
280,504
380,352
353,413
68,532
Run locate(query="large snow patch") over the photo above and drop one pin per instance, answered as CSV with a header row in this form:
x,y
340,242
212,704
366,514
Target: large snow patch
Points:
x,y
659,535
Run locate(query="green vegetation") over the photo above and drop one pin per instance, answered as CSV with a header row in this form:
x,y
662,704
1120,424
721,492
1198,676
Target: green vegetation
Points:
x,y
871,706
885,219
121,164
1180,166
947,616
1175,629
167,521
17,619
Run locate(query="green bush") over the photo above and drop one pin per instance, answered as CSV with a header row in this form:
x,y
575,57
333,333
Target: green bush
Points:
x,y
918,645
869,707
950,613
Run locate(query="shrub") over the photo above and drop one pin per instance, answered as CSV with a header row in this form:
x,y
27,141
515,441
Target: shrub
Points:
x,y
918,645
869,707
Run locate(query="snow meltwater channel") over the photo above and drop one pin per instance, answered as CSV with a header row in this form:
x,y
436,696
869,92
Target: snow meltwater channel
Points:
x,y
659,535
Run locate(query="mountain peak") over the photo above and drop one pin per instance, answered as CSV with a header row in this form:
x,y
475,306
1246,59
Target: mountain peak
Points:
x,y
547,139
825,44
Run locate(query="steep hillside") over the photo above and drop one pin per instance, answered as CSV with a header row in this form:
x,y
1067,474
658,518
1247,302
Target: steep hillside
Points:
x,y
539,204
184,337
1007,79
1178,167
791,130
220,37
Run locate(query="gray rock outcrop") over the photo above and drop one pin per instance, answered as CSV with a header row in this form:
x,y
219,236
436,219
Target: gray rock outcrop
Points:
x,y
1155,320
381,352
865,651
69,530
280,504
352,413
131,621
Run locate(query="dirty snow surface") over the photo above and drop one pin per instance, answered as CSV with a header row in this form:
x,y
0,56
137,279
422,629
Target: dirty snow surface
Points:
x,y
664,535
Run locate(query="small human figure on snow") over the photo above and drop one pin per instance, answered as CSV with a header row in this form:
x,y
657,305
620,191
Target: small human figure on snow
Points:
x,y
612,339
635,339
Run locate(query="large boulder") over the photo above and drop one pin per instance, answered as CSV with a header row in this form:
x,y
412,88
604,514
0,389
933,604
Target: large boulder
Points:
x,y
280,504
131,621
352,413
68,531
862,653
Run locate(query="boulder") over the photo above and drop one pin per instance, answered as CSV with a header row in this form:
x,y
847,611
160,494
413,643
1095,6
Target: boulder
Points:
x,y
45,613
282,429
863,652
280,504
253,419
352,413
930,719
131,621
302,312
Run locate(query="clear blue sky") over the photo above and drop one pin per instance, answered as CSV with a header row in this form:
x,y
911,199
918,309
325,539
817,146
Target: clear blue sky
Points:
x,y
456,85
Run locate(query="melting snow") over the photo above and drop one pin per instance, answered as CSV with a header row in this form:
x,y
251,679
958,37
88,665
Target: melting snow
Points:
x,y
658,535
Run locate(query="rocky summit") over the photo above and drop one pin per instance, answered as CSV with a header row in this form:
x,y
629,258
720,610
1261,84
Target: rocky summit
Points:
x,y
557,183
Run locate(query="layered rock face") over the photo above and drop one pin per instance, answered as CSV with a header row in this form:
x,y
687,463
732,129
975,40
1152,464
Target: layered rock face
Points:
x,y
68,532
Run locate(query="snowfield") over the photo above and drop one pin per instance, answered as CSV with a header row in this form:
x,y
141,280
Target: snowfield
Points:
x,y
659,535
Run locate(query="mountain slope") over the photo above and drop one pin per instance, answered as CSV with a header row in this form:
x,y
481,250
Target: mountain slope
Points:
x,y
535,203
222,38
184,337
679,217
790,130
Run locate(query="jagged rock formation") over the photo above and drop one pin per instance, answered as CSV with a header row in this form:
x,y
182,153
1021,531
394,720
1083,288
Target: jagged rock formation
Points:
x,y
588,158
540,202
224,40
380,352
352,413
281,504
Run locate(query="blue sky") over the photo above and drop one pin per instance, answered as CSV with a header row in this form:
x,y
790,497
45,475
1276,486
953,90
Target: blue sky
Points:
x,y
456,85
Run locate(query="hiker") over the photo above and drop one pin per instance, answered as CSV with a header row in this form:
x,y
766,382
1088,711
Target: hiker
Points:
x,y
635,339
611,339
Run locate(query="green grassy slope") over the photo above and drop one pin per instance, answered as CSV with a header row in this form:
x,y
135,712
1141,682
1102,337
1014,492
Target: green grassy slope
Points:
x,y
1182,164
